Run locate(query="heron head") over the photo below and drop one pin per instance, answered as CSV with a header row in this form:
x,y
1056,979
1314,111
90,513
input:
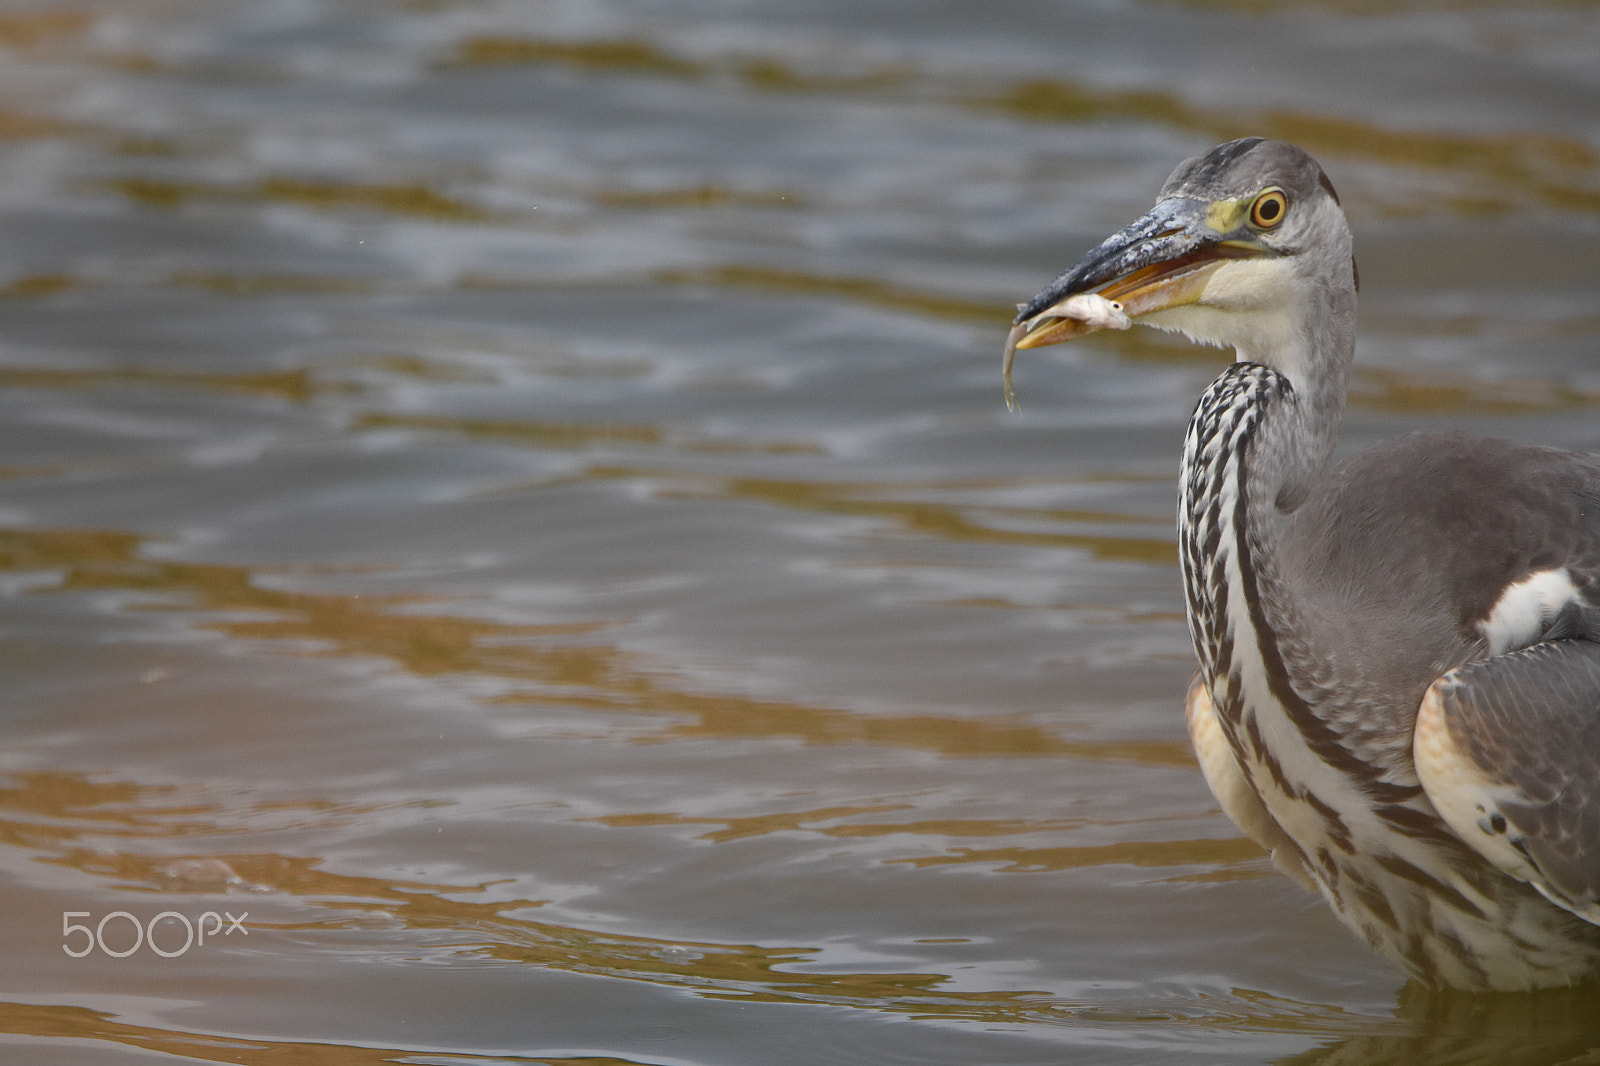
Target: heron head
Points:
x,y
1244,246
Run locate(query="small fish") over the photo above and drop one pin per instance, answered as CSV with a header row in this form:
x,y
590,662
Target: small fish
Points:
x,y
1079,313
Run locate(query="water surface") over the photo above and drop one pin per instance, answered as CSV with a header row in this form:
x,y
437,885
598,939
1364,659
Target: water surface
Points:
x,y
514,500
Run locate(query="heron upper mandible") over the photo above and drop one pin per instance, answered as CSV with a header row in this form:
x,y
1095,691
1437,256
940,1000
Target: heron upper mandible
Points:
x,y
1399,683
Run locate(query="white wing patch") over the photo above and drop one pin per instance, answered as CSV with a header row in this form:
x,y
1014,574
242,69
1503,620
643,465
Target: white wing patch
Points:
x,y
1525,609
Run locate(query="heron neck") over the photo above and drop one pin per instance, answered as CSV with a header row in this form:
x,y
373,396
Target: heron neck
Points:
x,y
1302,427
1222,512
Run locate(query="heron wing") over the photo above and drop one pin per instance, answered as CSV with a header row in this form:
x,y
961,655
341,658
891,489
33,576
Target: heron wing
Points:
x,y
1508,750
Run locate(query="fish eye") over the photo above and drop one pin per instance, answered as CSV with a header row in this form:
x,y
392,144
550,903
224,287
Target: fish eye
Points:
x,y
1269,208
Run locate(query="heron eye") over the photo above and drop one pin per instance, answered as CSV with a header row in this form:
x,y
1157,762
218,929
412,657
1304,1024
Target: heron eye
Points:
x,y
1269,208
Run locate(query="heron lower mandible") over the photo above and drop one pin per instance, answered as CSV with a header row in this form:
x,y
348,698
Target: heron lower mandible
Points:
x,y
1399,683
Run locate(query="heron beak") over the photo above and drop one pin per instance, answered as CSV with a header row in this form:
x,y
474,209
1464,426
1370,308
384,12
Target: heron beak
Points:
x,y
1164,259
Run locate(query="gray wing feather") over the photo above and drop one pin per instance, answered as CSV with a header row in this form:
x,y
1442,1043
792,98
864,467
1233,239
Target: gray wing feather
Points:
x,y
1508,749
1401,554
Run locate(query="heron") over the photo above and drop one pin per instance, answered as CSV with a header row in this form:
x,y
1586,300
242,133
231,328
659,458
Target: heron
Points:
x,y
1398,693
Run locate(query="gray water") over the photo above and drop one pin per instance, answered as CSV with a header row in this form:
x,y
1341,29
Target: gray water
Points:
x,y
511,502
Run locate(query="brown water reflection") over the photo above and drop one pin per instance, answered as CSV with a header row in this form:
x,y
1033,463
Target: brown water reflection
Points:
x,y
586,674
80,1023
295,385
1479,1036
1398,392
403,200
54,815
1558,171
